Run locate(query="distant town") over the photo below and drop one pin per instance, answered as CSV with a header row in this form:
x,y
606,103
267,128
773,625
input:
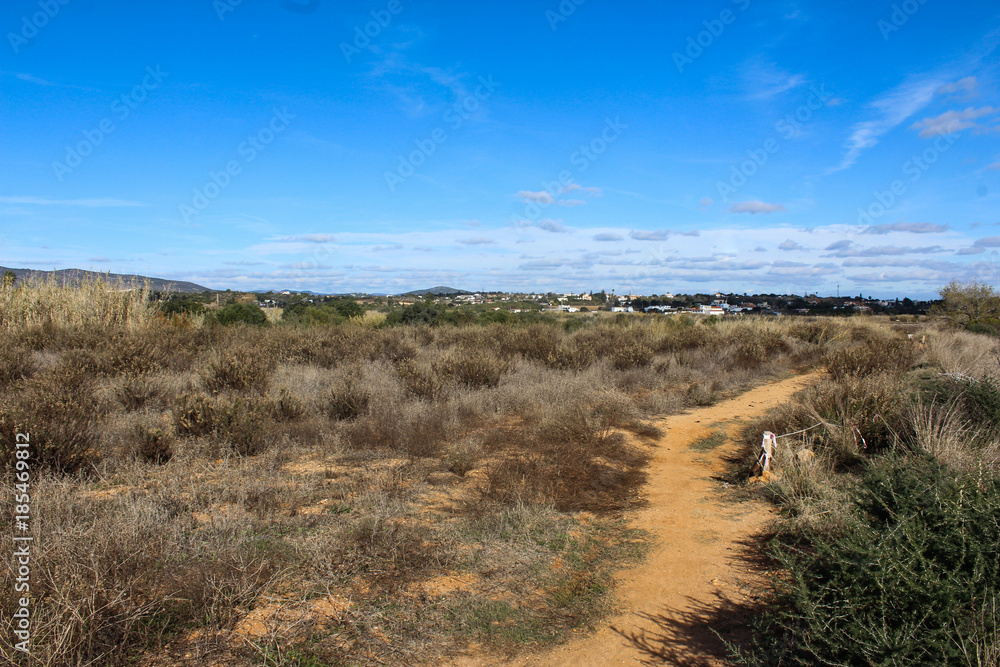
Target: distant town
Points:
x,y
716,303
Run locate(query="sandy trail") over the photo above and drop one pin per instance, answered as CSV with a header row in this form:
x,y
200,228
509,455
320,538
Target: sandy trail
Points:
x,y
691,581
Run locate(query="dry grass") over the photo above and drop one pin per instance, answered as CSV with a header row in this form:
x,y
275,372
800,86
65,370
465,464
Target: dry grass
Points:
x,y
342,493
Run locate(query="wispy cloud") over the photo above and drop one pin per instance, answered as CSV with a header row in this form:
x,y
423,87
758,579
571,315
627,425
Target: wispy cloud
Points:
x,y
952,121
755,206
765,80
891,109
791,245
307,238
477,241
909,227
607,237
966,86
106,202
654,235
554,226
541,197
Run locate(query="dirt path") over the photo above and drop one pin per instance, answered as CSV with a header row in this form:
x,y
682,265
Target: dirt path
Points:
x,y
691,582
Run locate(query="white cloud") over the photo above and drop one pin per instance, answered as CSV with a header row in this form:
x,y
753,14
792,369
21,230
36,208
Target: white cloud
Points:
x,y
952,121
791,245
910,227
554,226
965,86
988,242
655,235
705,202
542,197
571,202
754,206
477,241
606,237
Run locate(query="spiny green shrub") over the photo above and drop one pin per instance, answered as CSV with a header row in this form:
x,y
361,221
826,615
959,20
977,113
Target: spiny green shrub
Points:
x,y
908,585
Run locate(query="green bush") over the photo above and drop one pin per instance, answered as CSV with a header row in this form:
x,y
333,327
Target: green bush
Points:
x,y
982,328
185,305
246,313
910,584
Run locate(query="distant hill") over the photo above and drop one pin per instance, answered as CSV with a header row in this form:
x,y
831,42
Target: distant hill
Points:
x,y
71,276
436,291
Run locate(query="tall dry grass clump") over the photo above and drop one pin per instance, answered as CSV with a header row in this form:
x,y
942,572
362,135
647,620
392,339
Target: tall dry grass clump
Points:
x,y
88,304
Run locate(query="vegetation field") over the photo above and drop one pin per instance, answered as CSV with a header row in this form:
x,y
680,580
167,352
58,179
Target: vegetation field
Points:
x,y
373,490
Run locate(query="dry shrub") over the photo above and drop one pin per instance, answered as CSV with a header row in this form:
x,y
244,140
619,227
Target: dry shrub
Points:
x,y
16,363
421,380
757,345
348,399
686,337
287,407
241,368
243,423
388,550
154,445
100,582
875,355
473,368
818,333
634,355
416,429
60,411
574,459
463,457
134,392
861,413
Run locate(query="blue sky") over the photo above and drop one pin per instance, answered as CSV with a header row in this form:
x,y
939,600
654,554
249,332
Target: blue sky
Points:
x,y
736,145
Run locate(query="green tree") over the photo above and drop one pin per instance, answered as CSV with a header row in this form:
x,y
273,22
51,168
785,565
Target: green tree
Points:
x,y
9,278
247,313
969,303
